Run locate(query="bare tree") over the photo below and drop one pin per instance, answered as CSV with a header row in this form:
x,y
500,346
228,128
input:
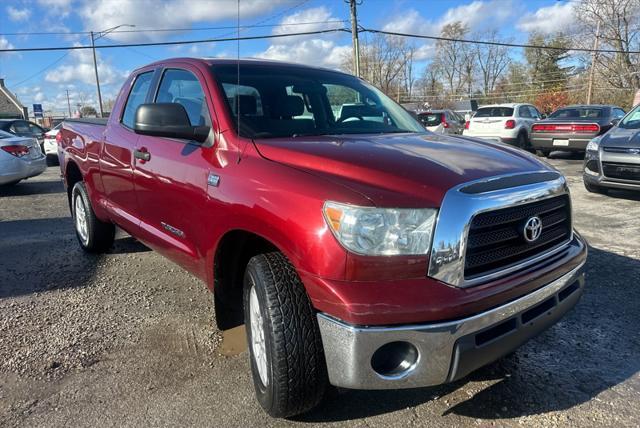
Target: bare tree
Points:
x,y
386,62
452,57
619,22
493,61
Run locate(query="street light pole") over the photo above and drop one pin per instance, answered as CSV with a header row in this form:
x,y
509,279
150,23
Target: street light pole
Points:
x,y
95,67
94,37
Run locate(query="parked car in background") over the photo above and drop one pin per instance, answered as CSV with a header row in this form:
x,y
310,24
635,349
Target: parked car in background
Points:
x,y
612,160
505,123
442,121
24,128
50,145
571,128
20,158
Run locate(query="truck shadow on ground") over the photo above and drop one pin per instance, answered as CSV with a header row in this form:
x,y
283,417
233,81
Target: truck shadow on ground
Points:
x,y
43,254
26,188
593,349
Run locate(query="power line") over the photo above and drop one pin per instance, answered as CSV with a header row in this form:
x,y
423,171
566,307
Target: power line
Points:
x,y
41,71
181,30
484,42
177,42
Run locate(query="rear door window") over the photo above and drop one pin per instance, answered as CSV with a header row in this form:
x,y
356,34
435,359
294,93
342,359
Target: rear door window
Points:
x,y
137,96
20,127
182,87
523,111
494,112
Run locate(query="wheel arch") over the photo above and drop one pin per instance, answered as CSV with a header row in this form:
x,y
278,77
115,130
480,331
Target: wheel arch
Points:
x,y
231,256
72,175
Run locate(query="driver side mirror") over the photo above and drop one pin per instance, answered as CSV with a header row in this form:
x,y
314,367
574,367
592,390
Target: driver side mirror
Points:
x,y
615,121
169,120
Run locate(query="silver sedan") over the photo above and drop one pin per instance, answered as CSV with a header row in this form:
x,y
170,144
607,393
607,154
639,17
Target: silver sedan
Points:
x,y
20,158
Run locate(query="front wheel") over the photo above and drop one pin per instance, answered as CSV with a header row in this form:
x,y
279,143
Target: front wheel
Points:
x,y
94,235
285,347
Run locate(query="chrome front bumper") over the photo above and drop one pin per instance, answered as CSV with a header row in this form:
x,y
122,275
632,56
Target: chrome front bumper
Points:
x,y
445,351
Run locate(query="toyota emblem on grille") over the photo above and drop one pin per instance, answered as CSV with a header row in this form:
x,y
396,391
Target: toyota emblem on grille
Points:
x,y
532,229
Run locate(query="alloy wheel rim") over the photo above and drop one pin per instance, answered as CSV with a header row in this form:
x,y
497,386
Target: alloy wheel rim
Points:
x,y
258,346
81,220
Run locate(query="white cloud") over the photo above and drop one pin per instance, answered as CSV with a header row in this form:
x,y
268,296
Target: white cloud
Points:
x,y
59,8
80,69
147,14
5,44
316,51
308,20
322,50
477,15
18,15
549,19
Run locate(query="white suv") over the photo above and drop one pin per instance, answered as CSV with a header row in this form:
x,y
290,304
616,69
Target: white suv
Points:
x,y
505,123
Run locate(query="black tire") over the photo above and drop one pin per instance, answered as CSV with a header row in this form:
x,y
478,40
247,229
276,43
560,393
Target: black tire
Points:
x,y
596,189
11,183
522,141
296,371
99,234
543,153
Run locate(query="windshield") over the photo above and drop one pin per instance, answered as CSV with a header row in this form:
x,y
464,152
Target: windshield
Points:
x,y
577,113
290,101
631,120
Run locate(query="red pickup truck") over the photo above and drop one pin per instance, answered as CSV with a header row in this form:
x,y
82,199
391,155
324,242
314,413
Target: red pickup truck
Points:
x,y
361,250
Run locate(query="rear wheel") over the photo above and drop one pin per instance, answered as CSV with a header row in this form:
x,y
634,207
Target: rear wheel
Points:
x,y
11,183
543,153
522,141
285,347
94,235
595,189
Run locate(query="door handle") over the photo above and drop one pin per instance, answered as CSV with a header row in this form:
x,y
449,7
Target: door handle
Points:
x,y
143,155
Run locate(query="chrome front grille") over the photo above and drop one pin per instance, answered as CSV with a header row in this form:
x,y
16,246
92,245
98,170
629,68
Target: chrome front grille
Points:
x,y
479,236
495,240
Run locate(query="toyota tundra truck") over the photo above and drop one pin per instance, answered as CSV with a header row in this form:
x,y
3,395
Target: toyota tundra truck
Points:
x,y
360,250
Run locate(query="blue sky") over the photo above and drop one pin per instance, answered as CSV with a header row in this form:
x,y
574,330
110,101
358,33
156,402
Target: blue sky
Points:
x,y
44,77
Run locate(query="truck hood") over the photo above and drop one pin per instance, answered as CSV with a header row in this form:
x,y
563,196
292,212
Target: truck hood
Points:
x,y
621,137
399,170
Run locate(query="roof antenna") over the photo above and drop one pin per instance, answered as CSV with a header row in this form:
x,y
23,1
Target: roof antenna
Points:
x,y
238,75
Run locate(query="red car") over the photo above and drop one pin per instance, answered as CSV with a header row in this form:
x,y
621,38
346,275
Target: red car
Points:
x,y
360,250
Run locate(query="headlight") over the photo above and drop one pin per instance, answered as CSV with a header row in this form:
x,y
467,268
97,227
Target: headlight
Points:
x,y
592,146
381,231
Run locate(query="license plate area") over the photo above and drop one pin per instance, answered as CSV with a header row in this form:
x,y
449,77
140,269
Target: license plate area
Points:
x,y
560,142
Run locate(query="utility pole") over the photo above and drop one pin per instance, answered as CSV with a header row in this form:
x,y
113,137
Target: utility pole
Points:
x,y
94,37
593,63
95,67
68,103
354,37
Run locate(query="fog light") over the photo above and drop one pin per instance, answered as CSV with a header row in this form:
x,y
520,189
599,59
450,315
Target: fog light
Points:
x,y
395,359
592,165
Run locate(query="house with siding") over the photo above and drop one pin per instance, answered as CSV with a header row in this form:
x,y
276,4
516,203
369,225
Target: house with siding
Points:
x,y
10,107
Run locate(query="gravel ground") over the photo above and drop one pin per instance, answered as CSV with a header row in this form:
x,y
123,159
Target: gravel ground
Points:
x,y
128,338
